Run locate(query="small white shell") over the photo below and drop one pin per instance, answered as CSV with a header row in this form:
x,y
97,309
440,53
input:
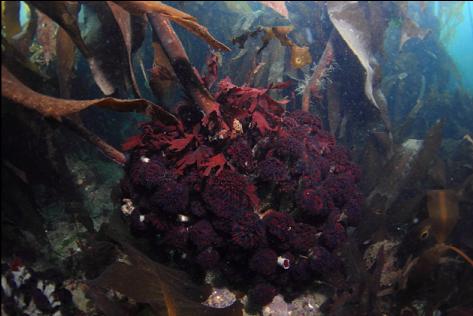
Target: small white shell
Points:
x,y
237,127
285,263
182,218
220,298
127,208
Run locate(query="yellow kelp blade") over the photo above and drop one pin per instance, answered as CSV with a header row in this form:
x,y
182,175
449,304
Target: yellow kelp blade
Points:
x,y
10,18
300,56
443,212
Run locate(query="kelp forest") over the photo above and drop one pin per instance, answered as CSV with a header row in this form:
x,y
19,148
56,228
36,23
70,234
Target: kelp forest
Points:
x,y
237,158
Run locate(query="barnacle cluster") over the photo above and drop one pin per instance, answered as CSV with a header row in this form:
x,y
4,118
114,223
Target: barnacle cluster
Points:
x,y
26,292
267,205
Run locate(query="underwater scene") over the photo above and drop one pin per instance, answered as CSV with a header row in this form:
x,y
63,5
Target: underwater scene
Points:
x,y
257,158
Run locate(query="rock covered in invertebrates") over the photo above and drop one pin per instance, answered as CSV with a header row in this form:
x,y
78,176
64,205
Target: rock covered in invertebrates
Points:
x,y
261,195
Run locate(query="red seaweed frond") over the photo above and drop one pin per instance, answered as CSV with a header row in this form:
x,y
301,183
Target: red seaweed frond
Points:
x,y
260,121
212,71
181,143
131,143
197,156
251,193
217,161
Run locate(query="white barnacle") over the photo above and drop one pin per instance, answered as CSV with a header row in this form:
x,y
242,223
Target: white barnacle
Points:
x,y
5,287
144,159
237,126
127,207
343,217
182,218
32,309
48,291
20,301
20,276
285,263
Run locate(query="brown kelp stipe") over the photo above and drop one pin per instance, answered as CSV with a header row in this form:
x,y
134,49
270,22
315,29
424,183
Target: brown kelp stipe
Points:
x,y
109,151
157,8
15,91
461,253
187,75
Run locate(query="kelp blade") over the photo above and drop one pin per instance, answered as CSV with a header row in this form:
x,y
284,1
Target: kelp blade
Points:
x,y
183,19
168,291
443,212
14,90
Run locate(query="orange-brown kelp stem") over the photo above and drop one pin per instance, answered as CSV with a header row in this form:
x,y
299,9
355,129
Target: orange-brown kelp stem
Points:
x,y
180,63
461,253
315,82
108,150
